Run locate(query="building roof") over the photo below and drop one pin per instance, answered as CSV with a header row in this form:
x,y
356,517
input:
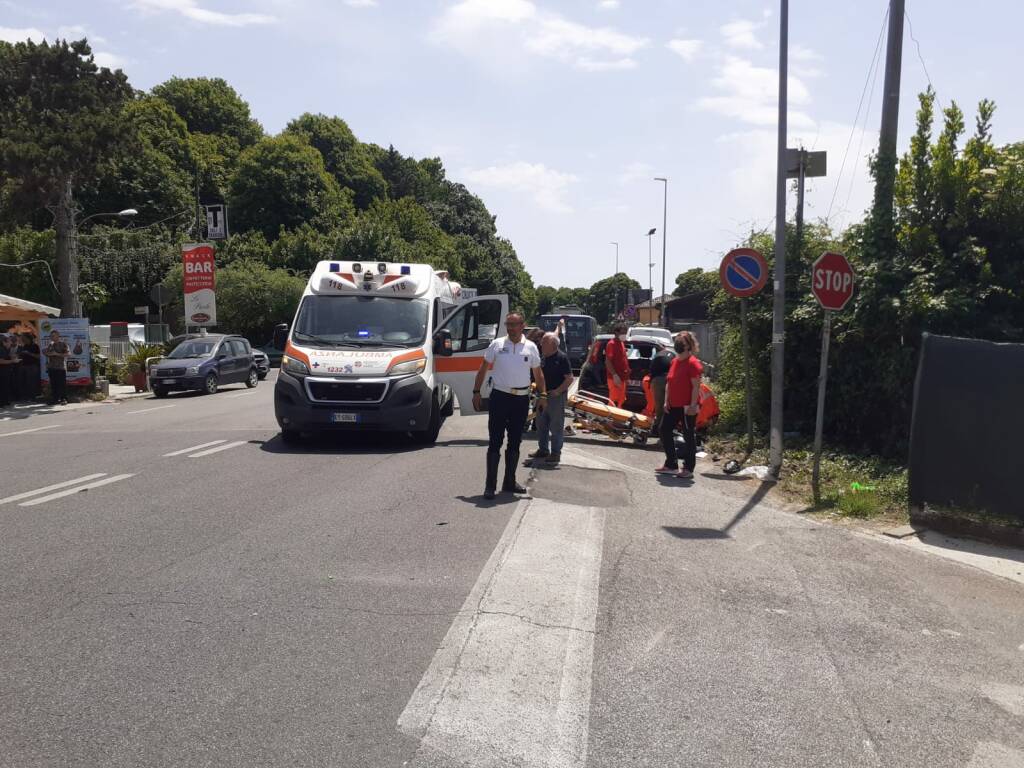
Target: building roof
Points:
x,y
656,301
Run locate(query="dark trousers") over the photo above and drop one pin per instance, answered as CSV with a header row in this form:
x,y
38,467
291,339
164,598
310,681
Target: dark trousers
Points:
x,y
58,385
506,413
7,384
689,423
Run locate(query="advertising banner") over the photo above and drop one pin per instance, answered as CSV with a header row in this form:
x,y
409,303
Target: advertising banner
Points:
x,y
200,299
74,331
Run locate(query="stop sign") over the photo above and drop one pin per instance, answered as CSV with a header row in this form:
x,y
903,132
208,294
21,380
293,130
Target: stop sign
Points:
x,y
832,280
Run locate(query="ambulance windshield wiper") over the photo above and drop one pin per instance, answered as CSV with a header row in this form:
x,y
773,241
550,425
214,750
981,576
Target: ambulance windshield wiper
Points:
x,y
323,341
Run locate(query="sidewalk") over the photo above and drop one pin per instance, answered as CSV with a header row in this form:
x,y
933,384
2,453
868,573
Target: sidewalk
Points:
x,y
25,410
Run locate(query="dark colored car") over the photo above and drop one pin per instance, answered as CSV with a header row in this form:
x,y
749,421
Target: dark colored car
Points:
x,y
262,363
639,352
204,363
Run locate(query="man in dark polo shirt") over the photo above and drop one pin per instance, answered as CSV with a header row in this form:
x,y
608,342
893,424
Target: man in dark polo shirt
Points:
x,y
551,421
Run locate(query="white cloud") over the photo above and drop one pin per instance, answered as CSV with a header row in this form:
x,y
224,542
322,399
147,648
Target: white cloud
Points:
x,y
804,60
608,5
740,34
191,9
688,49
108,60
636,171
481,28
750,93
361,3
546,186
15,35
77,32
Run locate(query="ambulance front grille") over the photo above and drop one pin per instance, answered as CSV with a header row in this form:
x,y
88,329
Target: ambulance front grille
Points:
x,y
323,391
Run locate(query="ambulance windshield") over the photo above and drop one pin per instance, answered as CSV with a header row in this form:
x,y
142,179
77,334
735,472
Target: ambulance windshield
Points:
x,y
362,321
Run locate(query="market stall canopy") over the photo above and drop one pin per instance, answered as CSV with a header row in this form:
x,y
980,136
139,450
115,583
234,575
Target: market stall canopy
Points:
x,y
12,309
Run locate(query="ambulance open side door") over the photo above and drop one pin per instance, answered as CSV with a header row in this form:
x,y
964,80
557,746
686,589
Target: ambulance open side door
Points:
x,y
470,327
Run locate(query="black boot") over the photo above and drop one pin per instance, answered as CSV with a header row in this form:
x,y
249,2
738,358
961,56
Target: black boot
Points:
x,y
492,474
510,485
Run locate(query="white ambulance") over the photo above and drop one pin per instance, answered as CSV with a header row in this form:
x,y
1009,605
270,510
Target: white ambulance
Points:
x,y
382,347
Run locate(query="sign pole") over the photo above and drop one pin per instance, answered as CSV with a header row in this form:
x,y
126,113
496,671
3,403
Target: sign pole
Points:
x,y
746,375
819,420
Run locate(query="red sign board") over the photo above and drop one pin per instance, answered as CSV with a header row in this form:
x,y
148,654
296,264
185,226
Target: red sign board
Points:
x,y
743,272
832,280
198,279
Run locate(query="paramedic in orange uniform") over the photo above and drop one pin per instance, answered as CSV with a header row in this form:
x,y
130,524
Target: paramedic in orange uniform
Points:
x,y
617,366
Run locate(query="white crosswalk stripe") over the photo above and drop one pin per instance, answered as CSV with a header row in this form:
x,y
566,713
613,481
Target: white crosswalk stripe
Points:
x,y
76,489
150,410
218,449
54,487
242,394
194,448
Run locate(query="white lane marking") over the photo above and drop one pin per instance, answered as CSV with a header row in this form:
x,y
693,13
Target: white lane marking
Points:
x,y
512,678
26,431
1009,697
79,489
54,487
241,394
150,410
219,448
602,460
194,448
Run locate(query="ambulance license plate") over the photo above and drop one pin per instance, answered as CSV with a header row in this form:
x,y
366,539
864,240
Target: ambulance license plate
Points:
x,y
344,418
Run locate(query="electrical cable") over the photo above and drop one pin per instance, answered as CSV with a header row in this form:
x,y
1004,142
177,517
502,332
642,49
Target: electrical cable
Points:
x,y
37,261
928,77
860,144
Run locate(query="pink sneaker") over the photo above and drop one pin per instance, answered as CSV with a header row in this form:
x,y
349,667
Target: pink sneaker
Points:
x,y
684,474
664,470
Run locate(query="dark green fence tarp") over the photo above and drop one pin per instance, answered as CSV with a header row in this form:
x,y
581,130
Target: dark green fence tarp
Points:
x,y
967,429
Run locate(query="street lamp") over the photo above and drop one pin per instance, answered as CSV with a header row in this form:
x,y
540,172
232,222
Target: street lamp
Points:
x,y
127,213
664,236
650,266
616,312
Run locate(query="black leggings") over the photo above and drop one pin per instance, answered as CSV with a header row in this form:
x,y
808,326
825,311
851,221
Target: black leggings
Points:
x,y
58,385
668,423
506,413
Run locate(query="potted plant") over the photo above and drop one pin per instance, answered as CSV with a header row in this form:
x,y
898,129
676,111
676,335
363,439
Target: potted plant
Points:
x,y
137,362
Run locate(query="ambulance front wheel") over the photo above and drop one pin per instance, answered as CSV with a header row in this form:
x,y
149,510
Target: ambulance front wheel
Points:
x,y
429,435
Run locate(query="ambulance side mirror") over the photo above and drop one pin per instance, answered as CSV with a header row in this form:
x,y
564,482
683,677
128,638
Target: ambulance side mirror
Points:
x,y
443,343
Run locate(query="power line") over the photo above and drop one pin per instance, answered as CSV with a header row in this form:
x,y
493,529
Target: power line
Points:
x,y
910,26
863,130
856,119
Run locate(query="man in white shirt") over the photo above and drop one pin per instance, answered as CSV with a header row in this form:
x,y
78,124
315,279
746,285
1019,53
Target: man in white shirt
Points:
x,y
513,359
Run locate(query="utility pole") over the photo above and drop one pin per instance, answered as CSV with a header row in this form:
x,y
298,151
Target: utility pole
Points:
x,y
779,298
650,266
885,178
664,244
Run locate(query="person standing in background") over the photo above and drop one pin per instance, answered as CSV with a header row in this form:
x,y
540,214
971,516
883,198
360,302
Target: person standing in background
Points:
x,y
660,364
682,403
551,421
57,353
30,370
617,366
8,366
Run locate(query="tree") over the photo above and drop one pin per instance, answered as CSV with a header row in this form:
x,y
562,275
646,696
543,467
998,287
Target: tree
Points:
x,y
60,118
280,183
210,106
602,296
400,230
695,280
345,158
545,299
251,298
151,171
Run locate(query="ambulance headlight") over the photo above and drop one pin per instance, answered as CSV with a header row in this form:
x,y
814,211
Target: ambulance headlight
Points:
x,y
293,366
407,368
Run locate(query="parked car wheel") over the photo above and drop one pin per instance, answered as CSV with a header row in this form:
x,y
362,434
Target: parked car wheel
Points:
x,y
159,392
254,377
210,385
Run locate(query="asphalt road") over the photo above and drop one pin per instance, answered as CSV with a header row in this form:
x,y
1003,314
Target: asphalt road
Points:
x,y
215,598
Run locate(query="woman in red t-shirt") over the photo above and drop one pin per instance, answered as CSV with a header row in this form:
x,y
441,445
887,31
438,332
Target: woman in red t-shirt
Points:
x,y
682,402
616,366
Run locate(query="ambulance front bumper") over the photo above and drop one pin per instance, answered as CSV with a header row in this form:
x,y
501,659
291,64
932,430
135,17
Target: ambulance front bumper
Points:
x,y
312,404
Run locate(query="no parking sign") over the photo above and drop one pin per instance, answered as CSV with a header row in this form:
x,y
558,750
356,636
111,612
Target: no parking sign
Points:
x,y
743,272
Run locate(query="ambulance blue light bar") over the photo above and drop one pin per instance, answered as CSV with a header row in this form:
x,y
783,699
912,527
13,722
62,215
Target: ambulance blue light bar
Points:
x,y
406,270
335,267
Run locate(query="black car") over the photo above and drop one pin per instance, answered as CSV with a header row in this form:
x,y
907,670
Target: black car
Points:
x,y
639,352
204,363
262,363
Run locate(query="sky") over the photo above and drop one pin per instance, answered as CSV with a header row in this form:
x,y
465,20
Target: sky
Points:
x,y
560,113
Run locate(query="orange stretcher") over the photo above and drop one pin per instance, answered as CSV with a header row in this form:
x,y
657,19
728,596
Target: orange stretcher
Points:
x,y
597,414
